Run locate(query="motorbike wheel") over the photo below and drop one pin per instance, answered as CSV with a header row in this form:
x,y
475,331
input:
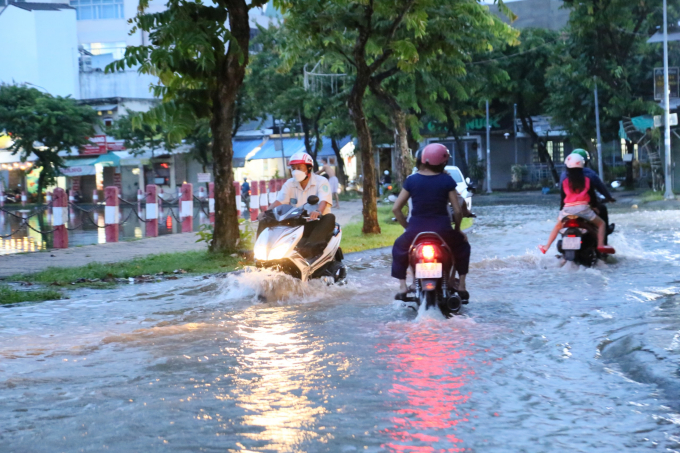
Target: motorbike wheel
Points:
x,y
338,271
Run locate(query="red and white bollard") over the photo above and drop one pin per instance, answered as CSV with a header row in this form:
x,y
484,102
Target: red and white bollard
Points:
x,y
24,198
237,191
152,211
272,191
59,218
111,214
254,200
48,197
263,196
71,196
95,196
211,201
140,197
187,210
279,184
201,193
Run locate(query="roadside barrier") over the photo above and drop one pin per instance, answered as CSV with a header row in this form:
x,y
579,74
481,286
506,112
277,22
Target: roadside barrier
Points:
x,y
237,191
254,200
187,208
61,210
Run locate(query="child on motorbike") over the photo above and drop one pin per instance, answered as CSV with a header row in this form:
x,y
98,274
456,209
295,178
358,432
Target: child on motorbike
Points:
x,y
431,190
577,198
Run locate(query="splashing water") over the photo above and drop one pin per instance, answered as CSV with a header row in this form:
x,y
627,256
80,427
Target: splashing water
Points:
x,y
547,356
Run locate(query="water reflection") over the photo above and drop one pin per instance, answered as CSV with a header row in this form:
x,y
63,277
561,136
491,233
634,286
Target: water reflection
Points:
x,y
431,371
86,227
277,383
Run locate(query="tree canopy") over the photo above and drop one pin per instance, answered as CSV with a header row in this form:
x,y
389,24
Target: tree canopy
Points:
x,y
44,125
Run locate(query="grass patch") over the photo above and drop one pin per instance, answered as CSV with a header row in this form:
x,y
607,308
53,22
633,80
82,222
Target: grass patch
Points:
x,y
350,195
200,262
353,240
13,296
650,195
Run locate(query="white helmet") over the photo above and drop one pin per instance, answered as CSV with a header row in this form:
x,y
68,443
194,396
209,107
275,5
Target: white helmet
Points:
x,y
574,161
301,158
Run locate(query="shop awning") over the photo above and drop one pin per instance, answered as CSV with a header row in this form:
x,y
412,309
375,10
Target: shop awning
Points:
x,y
109,159
79,167
290,147
244,147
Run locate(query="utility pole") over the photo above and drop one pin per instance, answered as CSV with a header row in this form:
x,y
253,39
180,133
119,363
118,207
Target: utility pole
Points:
x,y
514,129
488,150
283,154
668,195
600,167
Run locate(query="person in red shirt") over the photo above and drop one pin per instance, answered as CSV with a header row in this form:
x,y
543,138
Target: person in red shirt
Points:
x,y
578,196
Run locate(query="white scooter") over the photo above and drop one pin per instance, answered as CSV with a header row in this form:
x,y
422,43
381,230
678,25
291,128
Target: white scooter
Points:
x,y
277,246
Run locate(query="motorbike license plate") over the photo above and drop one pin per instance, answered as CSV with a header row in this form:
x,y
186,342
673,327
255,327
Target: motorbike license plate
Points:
x,y
428,270
571,243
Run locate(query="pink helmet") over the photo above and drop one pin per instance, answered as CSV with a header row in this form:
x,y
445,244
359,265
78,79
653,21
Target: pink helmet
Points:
x,y
435,154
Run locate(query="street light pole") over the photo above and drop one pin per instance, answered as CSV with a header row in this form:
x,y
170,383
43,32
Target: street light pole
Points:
x,y
600,167
488,150
514,129
668,195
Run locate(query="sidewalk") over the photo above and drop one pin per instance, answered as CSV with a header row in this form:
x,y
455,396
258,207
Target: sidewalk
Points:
x,y
124,251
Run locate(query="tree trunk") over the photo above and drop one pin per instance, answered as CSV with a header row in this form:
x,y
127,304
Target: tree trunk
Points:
x,y
232,68
356,112
342,176
398,117
543,154
461,161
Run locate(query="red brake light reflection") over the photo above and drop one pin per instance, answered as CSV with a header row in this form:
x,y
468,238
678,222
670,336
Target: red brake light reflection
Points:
x,y
427,252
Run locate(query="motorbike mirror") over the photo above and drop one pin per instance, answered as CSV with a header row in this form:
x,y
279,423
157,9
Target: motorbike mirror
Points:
x,y
313,199
616,184
467,180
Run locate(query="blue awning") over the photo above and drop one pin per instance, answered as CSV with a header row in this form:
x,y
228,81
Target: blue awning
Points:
x,y
243,147
292,146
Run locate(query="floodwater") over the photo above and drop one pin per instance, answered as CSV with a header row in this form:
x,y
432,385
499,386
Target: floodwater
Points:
x,y
545,358
87,226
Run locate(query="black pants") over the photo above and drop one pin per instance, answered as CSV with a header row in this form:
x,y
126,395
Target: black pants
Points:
x,y
316,233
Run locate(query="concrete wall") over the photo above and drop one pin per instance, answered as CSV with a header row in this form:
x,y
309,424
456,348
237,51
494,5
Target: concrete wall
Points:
x,y
57,50
40,48
127,84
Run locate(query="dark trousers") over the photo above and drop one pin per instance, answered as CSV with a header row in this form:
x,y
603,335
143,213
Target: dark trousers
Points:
x,y
454,239
316,232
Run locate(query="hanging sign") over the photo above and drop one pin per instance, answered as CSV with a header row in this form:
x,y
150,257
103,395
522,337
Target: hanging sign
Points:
x,y
673,75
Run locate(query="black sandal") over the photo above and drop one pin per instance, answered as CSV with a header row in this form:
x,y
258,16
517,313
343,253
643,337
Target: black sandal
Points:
x,y
401,296
465,296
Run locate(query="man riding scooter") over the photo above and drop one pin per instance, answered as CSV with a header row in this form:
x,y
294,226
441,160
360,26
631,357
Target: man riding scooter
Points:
x,y
296,191
599,186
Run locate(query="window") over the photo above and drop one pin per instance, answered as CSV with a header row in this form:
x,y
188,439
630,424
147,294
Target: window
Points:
x,y
108,122
98,9
102,48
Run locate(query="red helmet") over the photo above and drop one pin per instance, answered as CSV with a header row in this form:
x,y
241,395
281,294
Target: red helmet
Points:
x,y
301,158
435,154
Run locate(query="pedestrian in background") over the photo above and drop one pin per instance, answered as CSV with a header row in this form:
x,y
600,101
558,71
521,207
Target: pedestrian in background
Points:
x,y
245,198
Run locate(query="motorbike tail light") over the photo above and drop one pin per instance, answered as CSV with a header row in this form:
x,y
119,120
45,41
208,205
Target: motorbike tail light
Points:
x,y
572,223
427,252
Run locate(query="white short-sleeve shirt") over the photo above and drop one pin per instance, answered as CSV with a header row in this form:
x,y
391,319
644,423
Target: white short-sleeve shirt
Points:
x,y
292,190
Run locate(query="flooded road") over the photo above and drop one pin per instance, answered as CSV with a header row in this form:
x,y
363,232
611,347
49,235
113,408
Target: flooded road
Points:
x,y
545,358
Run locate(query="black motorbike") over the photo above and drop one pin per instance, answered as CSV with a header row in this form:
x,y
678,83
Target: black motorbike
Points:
x,y
578,241
432,263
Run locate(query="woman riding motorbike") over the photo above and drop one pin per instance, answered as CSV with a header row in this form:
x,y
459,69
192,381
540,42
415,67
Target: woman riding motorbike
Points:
x,y
431,190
